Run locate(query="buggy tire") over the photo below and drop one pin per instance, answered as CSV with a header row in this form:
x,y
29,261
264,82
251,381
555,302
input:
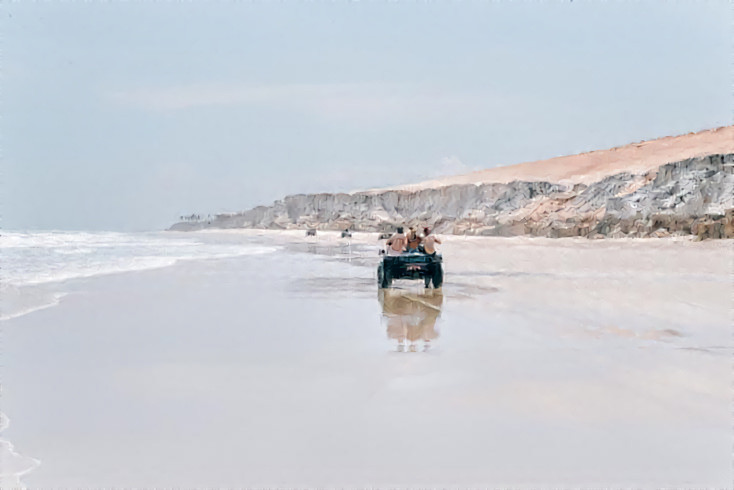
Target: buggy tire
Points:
x,y
437,276
383,277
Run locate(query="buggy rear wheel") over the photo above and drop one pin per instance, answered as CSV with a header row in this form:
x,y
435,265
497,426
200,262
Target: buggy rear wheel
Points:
x,y
383,277
437,276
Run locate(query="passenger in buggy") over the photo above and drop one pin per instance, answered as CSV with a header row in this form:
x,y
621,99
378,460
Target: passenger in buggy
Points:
x,y
413,241
396,243
429,242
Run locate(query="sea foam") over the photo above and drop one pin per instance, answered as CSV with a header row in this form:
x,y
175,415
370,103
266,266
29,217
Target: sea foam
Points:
x,y
33,258
13,465
34,264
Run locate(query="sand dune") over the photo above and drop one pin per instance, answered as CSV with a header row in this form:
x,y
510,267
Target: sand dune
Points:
x,y
590,167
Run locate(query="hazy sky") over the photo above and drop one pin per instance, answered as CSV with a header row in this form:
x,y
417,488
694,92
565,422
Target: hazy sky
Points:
x,y
125,115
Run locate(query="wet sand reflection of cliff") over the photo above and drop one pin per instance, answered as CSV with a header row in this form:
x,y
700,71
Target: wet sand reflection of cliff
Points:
x,y
411,316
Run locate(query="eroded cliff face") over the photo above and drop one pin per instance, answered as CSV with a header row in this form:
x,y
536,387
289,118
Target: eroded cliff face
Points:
x,y
693,196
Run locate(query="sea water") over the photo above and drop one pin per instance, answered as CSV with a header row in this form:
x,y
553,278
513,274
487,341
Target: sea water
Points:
x,y
35,264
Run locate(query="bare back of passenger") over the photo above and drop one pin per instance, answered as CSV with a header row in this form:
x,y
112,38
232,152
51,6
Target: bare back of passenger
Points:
x,y
396,243
429,242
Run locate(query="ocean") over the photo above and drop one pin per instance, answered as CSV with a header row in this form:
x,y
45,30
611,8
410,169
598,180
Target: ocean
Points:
x,y
35,264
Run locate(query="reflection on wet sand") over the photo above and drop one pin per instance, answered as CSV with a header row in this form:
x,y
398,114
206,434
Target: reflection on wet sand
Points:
x,y
411,316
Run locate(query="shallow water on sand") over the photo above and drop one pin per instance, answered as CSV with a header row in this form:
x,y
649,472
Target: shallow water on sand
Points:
x,y
291,368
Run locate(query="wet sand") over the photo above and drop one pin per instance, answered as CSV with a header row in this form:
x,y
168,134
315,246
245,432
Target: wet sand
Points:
x,y
552,363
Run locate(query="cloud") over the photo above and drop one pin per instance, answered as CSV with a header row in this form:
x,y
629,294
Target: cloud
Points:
x,y
191,96
351,101
356,178
452,165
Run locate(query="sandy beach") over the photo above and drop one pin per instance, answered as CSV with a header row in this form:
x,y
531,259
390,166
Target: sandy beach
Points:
x,y
179,309
541,363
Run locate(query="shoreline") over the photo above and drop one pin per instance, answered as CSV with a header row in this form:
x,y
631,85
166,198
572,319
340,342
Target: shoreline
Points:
x,y
536,358
50,294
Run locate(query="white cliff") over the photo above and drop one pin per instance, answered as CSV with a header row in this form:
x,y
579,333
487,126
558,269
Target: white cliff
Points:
x,y
694,195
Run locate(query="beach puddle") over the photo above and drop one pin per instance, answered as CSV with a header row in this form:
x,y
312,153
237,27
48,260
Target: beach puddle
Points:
x,y
333,287
655,334
715,350
468,291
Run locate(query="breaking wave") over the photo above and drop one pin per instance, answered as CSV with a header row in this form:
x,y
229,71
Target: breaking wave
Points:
x,y
34,258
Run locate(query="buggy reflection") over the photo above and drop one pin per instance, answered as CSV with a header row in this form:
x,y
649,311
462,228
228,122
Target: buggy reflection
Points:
x,y
411,316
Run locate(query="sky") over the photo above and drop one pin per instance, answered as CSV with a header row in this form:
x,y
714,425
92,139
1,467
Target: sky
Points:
x,y
125,115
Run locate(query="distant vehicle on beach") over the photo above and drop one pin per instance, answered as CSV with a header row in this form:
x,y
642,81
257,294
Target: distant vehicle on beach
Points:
x,y
384,236
346,234
311,232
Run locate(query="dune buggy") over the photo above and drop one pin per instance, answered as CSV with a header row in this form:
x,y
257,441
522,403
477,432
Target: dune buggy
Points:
x,y
411,266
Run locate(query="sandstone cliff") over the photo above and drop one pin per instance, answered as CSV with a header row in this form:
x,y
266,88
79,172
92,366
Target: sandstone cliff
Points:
x,y
691,196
